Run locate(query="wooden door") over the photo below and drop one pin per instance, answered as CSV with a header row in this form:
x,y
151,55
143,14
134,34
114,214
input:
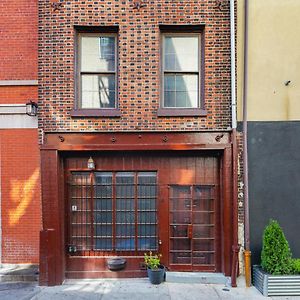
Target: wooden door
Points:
x,y
194,222
192,227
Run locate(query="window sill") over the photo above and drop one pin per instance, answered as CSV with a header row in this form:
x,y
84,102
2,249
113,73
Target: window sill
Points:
x,y
181,112
97,113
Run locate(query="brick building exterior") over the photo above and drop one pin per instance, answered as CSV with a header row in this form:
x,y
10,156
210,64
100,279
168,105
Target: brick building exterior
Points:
x,y
126,118
19,156
139,45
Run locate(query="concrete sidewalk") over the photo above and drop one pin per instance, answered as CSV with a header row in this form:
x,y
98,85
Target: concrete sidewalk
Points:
x,y
131,289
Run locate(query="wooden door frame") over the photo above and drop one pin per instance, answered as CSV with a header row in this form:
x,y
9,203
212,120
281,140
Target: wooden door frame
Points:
x,y
52,238
218,227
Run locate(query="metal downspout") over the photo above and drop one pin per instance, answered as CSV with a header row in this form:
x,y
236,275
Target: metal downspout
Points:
x,y
232,60
247,252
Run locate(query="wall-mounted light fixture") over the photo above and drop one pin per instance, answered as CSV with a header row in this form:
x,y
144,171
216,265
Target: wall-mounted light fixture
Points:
x,y
31,108
91,164
287,82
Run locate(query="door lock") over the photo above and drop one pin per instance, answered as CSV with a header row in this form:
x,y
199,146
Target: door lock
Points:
x,y
190,231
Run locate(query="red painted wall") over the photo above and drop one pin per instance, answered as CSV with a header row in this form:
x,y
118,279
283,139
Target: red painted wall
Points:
x,y
19,156
20,194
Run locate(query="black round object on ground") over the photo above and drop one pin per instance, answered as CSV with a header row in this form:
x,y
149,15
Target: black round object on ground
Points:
x,y
116,264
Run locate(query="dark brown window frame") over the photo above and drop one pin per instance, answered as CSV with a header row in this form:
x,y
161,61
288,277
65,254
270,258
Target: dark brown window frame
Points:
x,y
183,30
94,112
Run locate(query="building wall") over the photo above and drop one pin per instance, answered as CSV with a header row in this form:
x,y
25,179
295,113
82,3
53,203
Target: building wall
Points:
x,y
19,156
273,59
20,193
273,115
139,63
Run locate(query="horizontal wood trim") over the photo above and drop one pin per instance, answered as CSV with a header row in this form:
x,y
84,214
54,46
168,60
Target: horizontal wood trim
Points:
x,y
181,28
136,141
129,147
105,274
97,29
82,113
181,112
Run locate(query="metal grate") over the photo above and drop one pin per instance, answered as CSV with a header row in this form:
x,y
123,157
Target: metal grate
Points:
x,y
114,211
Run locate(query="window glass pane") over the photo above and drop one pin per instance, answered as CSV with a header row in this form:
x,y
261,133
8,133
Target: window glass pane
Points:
x,y
98,91
125,217
147,217
102,230
128,230
181,53
147,230
118,208
181,91
103,217
125,244
97,53
103,244
147,243
80,211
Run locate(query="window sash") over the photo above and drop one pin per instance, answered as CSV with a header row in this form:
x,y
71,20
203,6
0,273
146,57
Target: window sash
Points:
x,y
191,103
98,98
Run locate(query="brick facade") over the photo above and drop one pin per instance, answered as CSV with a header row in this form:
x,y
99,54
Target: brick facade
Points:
x,y
139,63
19,157
18,44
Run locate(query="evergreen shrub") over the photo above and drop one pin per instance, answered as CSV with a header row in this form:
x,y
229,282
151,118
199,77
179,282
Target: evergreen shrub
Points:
x,y
296,266
276,256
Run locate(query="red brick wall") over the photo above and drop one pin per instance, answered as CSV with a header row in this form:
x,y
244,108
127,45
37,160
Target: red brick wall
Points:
x,y
20,195
139,45
18,43
19,156
18,94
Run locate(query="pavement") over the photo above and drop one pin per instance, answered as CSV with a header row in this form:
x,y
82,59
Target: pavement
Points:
x,y
131,289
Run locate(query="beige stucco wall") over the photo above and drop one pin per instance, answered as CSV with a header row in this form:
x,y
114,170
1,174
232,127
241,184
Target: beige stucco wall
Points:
x,y
274,58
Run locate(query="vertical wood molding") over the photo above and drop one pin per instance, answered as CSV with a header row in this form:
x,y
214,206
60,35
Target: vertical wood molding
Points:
x,y
52,209
227,209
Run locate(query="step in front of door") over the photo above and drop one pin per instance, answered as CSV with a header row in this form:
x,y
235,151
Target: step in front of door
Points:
x,y
196,277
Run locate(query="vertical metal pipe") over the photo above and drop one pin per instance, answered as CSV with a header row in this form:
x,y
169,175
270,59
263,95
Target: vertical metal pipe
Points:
x,y
235,247
247,252
232,58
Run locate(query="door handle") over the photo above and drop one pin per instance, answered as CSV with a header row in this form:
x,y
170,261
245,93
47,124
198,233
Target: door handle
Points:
x,y
190,231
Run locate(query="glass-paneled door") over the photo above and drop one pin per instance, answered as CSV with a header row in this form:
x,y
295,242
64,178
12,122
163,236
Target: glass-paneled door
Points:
x,y
193,227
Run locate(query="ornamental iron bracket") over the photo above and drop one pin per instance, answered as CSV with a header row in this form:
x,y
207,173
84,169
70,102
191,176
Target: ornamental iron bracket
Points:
x,y
219,137
222,4
138,5
56,6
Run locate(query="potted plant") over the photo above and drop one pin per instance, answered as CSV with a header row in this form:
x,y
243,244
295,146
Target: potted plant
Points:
x,y
279,274
156,271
